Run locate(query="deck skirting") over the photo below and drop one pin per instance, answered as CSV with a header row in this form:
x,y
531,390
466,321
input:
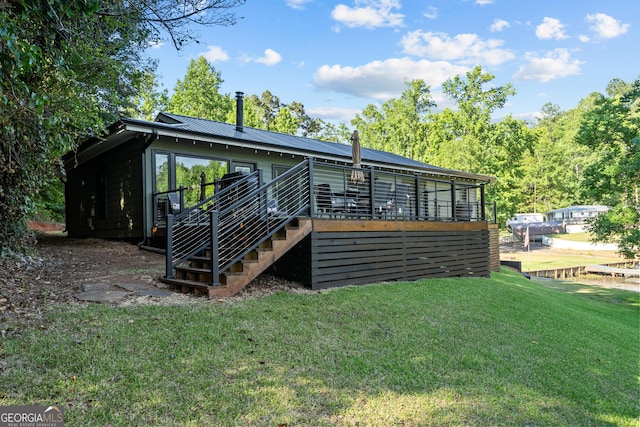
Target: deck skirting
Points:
x,y
340,253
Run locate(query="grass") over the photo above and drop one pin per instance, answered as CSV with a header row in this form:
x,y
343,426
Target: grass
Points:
x,y
573,237
500,351
546,260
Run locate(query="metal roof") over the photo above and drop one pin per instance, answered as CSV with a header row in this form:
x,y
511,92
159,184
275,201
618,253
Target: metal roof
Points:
x,y
268,140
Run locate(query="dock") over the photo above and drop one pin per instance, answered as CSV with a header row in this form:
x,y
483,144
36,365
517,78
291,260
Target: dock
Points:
x,y
612,271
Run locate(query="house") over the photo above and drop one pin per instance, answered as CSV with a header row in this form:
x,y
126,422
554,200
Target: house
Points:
x,y
226,202
575,217
524,218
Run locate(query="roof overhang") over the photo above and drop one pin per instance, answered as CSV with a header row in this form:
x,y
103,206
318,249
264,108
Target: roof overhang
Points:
x,y
176,131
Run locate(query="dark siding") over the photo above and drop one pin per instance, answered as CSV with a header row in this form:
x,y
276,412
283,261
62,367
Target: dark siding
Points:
x,y
104,195
494,247
295,265
350,257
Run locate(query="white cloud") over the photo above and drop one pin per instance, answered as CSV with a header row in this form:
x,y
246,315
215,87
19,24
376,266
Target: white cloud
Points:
x,y
334,113
431,12
215,53
483,2
551,28
383,80
156,44
606,26
584,38
466,48
297,4
499,25
271,57
554,64
369,14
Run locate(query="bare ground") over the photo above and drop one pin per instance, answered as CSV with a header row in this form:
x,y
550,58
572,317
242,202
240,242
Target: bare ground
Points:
x,y
61,267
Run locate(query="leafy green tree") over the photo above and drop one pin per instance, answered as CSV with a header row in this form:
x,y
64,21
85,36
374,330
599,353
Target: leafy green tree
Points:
x,y
612,129
469,139
285,122
66,70
268,106
149,100
330,132
198,94
398,126
554,168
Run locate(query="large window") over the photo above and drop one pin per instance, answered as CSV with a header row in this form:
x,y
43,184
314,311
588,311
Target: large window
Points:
x,y
173,171
192,171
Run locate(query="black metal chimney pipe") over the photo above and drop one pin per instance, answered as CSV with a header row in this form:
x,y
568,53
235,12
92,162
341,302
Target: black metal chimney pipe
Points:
x,y
239,111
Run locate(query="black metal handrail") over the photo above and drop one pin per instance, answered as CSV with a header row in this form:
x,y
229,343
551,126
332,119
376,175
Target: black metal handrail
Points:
x,y
188,232
257,216
239,219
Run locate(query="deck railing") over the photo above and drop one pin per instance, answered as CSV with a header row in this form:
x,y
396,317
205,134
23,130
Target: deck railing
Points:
x,y
396,196
237,219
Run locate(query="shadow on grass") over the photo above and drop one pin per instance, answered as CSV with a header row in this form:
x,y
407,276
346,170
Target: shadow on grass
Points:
x,y
438,352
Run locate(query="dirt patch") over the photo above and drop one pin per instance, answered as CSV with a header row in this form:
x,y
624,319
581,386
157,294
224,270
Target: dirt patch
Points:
x,y
61,268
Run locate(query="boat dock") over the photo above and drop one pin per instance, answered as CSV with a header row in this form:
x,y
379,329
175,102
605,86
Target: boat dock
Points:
x,y
626,269
612,271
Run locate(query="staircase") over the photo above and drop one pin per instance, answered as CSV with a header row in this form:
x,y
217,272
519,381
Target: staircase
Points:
x,y
195,275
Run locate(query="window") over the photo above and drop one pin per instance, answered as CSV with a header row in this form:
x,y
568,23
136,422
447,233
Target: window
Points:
x,y
243,167
172,171
193,171
162,180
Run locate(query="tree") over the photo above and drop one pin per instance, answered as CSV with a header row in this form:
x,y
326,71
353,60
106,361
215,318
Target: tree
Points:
x,y
285,122
612,129
68,81
198,94
398,126
553,168
149,100
469,139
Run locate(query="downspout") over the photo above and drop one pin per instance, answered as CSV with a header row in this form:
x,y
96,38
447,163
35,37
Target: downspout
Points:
x,y
145,206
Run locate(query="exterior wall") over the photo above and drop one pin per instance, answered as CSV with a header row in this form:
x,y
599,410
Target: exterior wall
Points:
x,y
104,195
262,160
494,247
340,253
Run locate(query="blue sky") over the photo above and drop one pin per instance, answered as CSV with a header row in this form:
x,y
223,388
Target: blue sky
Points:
x,y
336,57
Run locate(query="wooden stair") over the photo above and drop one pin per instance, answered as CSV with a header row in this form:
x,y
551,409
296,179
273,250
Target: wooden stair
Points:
x,y
195,275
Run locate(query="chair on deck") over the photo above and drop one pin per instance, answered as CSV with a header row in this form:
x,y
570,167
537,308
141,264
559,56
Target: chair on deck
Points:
x,y
173,200
382,197
326,201
403,199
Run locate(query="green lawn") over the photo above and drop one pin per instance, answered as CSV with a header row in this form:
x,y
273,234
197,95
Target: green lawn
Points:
x,y
505,351
546,260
